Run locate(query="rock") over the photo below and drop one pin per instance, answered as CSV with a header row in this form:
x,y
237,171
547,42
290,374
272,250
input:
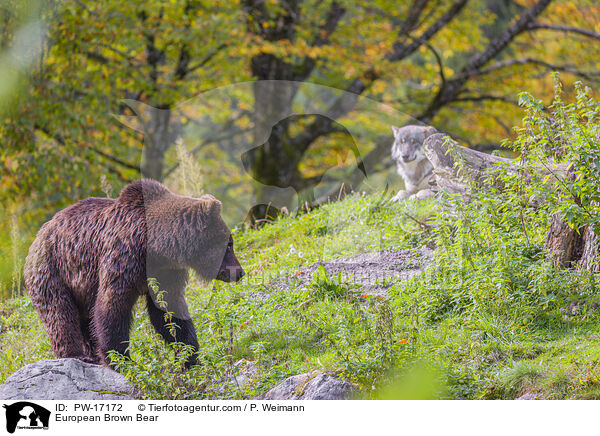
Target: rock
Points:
x,y
574,308
66,379
313,385
246,372
527,396
238,379
375,272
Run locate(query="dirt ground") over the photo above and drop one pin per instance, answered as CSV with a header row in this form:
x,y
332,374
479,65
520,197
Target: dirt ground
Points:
x,y
374,271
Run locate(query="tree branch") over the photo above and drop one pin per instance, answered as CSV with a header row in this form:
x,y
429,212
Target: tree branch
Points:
x,y
439,62
115,171
130,59
61,140
346,101
115,159
334,15
500,43
401,51
83,6
207,58
412,21
589,75
484,97
97,57
567,29
453,87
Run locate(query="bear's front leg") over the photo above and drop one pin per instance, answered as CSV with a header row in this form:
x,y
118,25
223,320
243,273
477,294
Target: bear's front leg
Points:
x,y
112,319
184,332
172,283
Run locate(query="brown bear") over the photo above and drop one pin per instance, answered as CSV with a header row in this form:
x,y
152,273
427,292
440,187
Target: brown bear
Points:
x,y
89,264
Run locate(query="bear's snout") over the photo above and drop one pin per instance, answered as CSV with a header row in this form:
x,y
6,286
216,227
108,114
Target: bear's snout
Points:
x,y
231,273
230,269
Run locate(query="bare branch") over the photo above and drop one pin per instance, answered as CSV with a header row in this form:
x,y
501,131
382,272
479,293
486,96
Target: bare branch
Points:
x,y
127,57
346,101
567,29
401,51
97,57
61,140
589,75
83,6
453,86
439,62
334,15
484,97
181,70
499,44
115,159
412,21
207,58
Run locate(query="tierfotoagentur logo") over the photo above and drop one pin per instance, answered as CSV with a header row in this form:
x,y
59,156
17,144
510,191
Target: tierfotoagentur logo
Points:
x,y
27,416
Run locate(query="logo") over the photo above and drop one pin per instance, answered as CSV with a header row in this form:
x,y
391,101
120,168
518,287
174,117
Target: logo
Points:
x,y
26,415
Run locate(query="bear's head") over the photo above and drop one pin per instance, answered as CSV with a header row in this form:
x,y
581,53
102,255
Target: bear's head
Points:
x,y
188,232
212,256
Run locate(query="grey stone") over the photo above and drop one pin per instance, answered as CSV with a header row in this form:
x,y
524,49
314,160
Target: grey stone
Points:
x,y
66,379
313,385
527,396
370,270
246,372
240,378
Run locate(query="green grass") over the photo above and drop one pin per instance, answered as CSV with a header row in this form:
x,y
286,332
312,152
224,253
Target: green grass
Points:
x,y
483,323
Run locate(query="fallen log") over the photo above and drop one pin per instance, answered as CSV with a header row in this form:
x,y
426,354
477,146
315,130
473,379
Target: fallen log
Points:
x,y
458,170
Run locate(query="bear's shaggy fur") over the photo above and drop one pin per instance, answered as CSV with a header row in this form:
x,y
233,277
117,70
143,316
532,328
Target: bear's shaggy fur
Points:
x,y
89,264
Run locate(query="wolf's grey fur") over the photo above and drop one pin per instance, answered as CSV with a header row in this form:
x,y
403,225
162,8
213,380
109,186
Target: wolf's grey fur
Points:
x,y
411,162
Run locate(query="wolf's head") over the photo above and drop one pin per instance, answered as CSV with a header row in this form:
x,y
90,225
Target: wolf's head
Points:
x,y
408,142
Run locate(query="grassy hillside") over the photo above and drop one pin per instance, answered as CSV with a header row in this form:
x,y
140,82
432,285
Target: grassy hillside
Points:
x,y
486,320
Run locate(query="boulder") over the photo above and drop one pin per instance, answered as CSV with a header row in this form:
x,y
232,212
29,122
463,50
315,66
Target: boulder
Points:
x,y
528,396
312,385
66,379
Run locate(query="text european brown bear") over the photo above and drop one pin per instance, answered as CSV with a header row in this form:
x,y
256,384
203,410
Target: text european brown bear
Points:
x,y
89,264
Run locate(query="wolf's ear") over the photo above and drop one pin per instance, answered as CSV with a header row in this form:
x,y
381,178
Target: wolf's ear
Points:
x,y
396,131
430,130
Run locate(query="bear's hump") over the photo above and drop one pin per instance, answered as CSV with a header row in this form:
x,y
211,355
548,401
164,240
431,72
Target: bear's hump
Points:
x,y
142,191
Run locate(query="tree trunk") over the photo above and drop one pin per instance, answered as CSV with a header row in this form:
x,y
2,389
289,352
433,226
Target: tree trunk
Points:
x,y
563,242
161,133
589,254
590,250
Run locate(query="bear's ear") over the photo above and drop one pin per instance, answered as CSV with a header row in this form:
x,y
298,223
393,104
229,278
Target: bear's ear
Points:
x,y
211,205
207,197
